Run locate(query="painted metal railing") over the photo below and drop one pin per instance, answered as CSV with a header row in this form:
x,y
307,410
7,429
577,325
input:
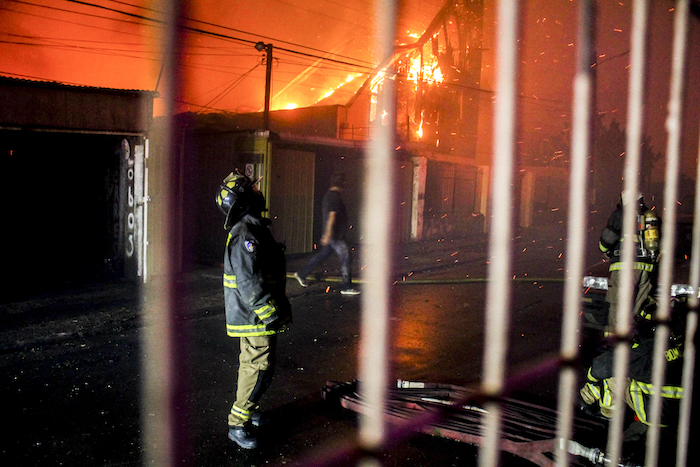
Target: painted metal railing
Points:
x,y
159,410
498,291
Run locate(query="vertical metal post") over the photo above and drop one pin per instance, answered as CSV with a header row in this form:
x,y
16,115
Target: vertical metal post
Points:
x,y
377,246
628,256
689,351
498,291
578,209
268,86
163,438
634,139
668,237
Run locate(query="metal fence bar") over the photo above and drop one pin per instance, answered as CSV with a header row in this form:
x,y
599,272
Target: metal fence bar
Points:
x,y
162,433
689,350
668,240
498,289
578,200
631,186
160,380
377,214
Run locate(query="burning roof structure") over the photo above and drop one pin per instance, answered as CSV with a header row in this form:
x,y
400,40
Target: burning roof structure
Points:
x,y
438,81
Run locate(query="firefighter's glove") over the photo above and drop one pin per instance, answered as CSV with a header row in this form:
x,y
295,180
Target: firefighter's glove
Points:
x,y
280,324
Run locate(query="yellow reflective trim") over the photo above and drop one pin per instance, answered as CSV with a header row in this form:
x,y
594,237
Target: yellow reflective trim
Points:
x,y
591,377
594,390
606,401
244,327
636,392
241,413
230,281
673,354
672,392
248,330
636,265
646,388
667,392
265,312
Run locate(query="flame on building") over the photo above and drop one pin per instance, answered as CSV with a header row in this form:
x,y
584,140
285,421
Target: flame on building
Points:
x,y
437,77
351,77
429,72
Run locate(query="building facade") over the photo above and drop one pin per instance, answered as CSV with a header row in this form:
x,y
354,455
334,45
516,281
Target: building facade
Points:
x,y
73,163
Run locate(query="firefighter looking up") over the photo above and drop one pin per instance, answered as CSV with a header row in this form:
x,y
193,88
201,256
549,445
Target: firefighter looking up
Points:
x,y
646,251
257,308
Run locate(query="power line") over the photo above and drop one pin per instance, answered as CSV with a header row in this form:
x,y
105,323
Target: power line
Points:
x,y
141,7
282,50
351,66
211,33
194,29
21,2
116,52
229,88
74,22
343,64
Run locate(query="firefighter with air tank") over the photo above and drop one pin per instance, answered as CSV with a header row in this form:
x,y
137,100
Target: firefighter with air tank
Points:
x,y
596,396
646,246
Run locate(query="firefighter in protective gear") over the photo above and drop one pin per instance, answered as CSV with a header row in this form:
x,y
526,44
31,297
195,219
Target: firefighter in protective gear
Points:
x,y
600,383
647,253
597,396
257,308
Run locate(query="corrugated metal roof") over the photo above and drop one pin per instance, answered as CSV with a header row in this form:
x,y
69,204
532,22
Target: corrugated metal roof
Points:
x,y
58,85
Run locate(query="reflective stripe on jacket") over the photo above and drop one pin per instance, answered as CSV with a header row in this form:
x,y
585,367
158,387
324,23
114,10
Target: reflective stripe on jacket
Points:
x,y
254,280
641,393
641,265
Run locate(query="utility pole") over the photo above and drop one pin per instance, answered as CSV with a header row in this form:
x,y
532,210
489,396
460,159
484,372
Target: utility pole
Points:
x,y
260,46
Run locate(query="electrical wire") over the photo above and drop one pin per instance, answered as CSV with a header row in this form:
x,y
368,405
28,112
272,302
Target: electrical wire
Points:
x,y
191,29
229,88
344,66
134,15
341,66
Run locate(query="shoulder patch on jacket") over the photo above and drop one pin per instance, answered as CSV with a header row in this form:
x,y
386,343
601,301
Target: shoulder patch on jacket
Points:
x,y
249,245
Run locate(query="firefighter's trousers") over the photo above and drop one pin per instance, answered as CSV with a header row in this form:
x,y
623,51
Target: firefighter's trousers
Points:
x,y
256,365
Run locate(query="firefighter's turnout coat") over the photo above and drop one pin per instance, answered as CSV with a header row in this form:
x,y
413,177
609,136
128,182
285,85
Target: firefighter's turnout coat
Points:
x,y
254,280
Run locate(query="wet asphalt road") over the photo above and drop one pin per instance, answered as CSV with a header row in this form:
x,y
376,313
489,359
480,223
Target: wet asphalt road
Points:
x,y
71,371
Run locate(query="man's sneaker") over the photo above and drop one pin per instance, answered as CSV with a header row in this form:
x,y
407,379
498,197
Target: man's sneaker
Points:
x,y
258,419
301,280
242,437
350,292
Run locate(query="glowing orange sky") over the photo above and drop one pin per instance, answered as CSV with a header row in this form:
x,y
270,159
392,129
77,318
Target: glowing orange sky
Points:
x,y
96,47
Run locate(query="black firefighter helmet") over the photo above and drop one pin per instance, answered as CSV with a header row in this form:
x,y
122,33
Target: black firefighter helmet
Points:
x,y
239,195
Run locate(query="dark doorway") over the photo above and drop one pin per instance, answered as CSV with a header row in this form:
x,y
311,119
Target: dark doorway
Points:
x,y
61,202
